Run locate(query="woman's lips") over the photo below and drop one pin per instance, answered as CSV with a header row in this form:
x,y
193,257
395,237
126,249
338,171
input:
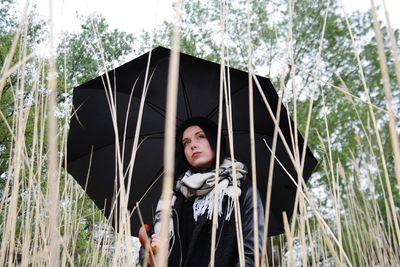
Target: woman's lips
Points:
x,y
195,154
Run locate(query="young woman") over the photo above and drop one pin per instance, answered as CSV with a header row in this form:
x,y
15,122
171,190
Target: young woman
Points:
x,y
190,225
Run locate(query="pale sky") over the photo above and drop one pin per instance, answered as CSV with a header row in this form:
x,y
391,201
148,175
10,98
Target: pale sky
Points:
x,y
134,15
129,15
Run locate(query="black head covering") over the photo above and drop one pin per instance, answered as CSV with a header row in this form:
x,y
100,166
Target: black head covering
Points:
x,y
210,129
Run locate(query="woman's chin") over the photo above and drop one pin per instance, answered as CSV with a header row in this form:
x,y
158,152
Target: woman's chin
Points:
x,y
202,165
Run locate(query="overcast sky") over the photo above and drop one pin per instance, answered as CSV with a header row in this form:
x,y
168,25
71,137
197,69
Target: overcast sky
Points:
x,y
134,15
128,15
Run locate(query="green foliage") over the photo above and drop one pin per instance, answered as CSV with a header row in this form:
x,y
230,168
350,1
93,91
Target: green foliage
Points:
x,y
93,50
9,29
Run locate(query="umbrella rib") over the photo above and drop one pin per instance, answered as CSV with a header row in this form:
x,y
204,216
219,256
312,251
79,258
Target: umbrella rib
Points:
x,y
161,111
186,98
149,187
215,110
156,108
154,135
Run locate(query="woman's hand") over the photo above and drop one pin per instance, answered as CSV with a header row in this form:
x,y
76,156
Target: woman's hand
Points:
x,y
155,242
146,240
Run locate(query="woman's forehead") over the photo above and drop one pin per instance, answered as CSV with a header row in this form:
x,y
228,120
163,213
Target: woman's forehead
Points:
x,y
191,130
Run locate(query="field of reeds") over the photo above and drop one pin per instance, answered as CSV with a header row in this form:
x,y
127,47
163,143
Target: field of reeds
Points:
x,y
348,212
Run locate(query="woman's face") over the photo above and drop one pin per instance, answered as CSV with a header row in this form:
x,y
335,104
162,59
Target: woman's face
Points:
x,y
196,147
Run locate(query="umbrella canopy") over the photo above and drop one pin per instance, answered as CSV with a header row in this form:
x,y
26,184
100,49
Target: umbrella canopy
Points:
x,y
92,137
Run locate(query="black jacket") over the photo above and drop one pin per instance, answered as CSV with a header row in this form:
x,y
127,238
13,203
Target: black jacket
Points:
x,y
197,245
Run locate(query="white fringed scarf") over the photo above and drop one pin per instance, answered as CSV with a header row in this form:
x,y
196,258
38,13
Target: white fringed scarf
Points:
x,y
199,186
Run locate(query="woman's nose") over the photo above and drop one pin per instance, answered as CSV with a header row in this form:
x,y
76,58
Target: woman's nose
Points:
x,y
193,145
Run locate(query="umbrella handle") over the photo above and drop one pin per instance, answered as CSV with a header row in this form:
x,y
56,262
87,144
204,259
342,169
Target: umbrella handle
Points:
x,y
145,233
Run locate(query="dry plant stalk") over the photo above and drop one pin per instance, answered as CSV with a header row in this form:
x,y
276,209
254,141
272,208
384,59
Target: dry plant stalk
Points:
x,y
169,147
53,174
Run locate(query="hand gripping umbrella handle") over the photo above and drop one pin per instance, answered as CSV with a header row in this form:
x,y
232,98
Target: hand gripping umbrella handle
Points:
x,y
145,233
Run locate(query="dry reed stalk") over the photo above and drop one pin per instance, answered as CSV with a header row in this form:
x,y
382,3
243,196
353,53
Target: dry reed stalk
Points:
x,y
341,89
322,224
392,43
294,142
294,138
293,76
277,131
135,145
169,146
309,116
140,115
252,138
123,221
376,131
372,248
367,166
70,195
296,207
337,205
147,246
289,240
26,229
5,70
8,247
121,195
271,164
37,244
238,220
394,136
302,226
364,240
352,225
351,220
219,130
310,233
377,214
319,218
349,237
226,88
53,174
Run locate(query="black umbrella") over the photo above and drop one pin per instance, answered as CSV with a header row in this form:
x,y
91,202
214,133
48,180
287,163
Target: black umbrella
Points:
x,y
92,142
